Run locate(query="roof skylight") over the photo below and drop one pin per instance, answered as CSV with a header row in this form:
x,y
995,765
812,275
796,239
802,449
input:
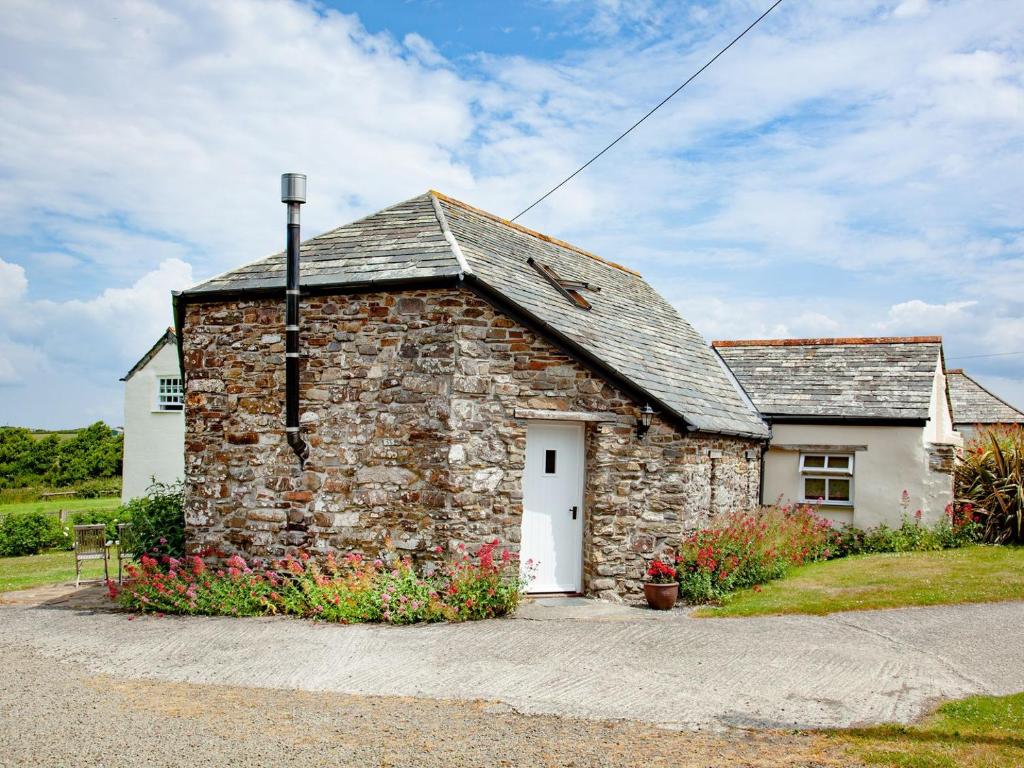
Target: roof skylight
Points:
x,y
570,289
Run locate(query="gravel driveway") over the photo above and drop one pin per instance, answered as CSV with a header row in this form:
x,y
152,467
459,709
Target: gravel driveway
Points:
x,y
575,661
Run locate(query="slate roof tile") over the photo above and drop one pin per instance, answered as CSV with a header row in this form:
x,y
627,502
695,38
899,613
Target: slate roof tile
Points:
x,y
973,404
630,328
886,378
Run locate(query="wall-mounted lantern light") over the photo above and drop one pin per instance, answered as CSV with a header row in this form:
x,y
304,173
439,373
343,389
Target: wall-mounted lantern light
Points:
x,y
644,422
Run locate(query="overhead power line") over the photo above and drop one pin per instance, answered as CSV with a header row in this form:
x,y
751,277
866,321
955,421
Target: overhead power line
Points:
x,y
660,104
994,354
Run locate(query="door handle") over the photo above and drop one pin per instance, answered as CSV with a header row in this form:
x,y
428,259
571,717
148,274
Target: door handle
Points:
x,y
574,510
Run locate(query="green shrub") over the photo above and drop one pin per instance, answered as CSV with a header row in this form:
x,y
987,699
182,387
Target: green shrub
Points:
x,y
28,533
25,460
158,520
990,484
911,536
90,453
742,549
98,489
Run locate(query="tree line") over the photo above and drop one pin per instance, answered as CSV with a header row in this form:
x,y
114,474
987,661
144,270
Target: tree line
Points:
x,y
93,453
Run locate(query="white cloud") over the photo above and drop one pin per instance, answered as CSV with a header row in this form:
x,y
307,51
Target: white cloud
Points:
x,y
13,283
844,161
916,316
54,354
177,119
424,50
910,8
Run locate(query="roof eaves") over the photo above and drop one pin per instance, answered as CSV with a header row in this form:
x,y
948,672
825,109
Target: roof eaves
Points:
x,y
826,342
168,337
881,421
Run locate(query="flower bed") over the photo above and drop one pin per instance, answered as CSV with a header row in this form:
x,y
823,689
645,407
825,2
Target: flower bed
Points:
x,y
746,549
743,549
351,589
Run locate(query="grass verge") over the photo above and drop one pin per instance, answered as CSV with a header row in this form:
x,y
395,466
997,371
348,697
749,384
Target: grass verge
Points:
x,y
53,506
979,732
56,567
972,574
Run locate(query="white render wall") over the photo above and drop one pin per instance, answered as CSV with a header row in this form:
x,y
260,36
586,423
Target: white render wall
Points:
x,y
895,459
939,428
154,441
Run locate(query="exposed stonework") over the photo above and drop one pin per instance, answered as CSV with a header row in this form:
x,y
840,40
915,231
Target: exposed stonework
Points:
x,y
408,405
941,457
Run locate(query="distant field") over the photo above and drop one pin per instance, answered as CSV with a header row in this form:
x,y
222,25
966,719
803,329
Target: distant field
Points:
x,y
62,434
53,506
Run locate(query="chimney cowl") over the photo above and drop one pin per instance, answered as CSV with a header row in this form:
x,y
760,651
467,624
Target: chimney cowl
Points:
x,y
293,187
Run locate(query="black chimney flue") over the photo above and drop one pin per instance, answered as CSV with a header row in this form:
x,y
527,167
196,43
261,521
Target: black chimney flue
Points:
x,y
293,193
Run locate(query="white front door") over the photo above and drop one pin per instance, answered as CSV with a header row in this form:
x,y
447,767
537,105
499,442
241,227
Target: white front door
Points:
x,y
553,506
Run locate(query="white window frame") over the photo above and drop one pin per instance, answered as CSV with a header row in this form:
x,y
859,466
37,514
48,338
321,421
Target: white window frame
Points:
x,y
165,399
827,474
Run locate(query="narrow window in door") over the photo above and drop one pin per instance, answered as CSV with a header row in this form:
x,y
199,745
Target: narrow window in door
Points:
x,y
549,461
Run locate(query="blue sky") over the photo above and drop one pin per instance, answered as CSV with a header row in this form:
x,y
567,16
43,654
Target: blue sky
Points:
x,y
850,168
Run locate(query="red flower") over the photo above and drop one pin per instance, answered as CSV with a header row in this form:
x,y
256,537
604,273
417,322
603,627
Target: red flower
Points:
x,y
661,573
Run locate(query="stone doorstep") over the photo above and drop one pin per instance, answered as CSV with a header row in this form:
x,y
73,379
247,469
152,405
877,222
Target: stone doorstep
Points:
x,y
556,608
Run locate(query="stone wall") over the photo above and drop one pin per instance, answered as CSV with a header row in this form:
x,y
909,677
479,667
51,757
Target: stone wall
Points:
x,y
408,405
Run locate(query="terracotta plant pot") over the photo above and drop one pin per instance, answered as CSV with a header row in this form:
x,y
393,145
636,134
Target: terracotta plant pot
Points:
x,y
661,597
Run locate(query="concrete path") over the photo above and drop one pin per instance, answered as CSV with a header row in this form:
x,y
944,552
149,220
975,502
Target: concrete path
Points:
x,y
595,661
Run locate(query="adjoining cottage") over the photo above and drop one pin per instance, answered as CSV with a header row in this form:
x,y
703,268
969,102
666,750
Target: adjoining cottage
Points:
x,y
856,423
975,407
154,422
463,378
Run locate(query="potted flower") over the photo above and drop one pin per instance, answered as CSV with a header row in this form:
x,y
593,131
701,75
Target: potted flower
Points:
x,y
662,586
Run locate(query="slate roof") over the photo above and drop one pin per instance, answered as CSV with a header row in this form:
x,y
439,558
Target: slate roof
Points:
x,y
852,378
168,338
630,330
973,404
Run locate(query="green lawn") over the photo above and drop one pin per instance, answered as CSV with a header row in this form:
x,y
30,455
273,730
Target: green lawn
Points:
x,y
55,567
969,575
65,502
980,732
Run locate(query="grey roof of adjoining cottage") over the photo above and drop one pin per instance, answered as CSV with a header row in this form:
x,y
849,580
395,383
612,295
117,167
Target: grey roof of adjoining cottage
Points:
x,y
973,404
849,378
630,329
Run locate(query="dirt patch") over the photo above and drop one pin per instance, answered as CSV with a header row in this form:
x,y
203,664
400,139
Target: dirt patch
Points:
x,y
403,731
86,597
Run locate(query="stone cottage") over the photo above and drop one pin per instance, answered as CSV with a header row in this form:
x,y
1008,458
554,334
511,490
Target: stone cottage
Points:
x,y
462,378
